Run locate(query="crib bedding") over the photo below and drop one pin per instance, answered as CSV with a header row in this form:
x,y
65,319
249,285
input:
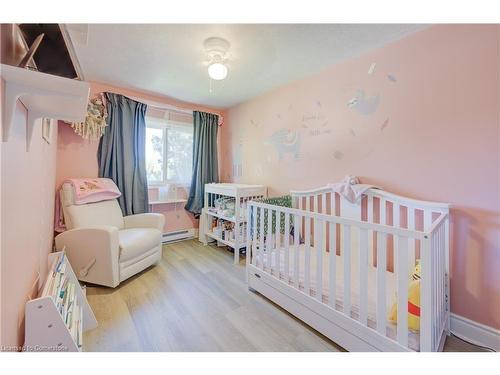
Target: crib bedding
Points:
x,y
269,261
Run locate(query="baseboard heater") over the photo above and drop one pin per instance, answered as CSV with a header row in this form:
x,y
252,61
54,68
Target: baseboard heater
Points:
x,y
178,235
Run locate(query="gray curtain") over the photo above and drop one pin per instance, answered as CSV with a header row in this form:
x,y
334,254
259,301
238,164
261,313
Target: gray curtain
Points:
x,y
122,152
205,166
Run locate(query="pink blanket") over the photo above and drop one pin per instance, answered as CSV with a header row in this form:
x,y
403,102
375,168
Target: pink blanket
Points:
x,y
350,188
85,190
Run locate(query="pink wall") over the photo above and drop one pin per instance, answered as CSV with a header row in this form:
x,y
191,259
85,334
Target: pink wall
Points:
x,y
176,218
77,157
27,206
434,135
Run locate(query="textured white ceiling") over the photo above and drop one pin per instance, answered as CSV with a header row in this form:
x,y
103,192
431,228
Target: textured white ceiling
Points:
x,y
170,60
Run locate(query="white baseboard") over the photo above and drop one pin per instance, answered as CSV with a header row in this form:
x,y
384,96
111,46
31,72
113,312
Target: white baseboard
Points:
x,y
475,332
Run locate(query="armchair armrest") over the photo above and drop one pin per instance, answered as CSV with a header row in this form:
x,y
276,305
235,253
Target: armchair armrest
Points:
x,y
93,252
150,220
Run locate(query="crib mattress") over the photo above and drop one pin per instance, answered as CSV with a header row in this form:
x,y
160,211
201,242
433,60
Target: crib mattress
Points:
x,y
270,264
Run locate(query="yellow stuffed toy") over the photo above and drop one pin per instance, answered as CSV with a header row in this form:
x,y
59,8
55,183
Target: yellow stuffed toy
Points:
x,y
413,302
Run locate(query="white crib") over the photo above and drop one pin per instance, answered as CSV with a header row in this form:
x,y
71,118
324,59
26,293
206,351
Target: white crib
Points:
x,y
345,294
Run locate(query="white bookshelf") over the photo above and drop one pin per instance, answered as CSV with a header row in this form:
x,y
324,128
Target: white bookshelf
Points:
x,y
241,194
50,323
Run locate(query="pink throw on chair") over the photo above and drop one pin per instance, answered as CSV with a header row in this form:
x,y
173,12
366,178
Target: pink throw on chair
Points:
x,y
85,190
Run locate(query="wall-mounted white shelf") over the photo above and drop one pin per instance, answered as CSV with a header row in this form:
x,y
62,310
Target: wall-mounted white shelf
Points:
x,y
48,323
43,95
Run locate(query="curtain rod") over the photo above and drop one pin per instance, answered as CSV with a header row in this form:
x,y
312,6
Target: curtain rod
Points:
x,y
171,107
164,106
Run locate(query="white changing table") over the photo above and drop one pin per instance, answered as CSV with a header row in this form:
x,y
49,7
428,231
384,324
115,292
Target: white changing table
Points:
x,y
241,193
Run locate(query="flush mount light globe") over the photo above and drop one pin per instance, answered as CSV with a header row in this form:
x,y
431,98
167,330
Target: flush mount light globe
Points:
x,y
217,71
217,54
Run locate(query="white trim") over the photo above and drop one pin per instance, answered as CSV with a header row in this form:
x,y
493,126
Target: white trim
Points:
x,y
475,332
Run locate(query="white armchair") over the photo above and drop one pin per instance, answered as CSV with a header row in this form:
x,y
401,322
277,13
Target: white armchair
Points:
x,y
103,246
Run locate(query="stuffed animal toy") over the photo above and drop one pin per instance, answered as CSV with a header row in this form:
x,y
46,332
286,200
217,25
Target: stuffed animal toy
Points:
x,y
413,302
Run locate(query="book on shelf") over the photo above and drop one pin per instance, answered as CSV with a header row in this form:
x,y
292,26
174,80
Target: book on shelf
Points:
x,y
54,282
79,340
62,290
61,293
75,326
68,304
61,306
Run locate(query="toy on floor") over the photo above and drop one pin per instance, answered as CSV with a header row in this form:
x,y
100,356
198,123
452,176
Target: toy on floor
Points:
x,y
413,302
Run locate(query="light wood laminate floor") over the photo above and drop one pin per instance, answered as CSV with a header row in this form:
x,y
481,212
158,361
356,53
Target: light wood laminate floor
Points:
x,y
196,299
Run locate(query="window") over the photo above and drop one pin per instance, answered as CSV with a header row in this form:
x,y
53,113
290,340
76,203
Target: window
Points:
x,y
169,151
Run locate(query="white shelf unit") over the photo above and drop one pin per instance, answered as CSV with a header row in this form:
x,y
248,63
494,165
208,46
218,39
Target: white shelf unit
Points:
x,y
241,194
43,95
45,326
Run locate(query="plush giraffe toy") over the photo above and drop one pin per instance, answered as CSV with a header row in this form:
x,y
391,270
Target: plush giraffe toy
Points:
x,y
413,302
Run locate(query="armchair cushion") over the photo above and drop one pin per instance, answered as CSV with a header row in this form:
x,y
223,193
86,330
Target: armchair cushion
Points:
x,y
150,220
133,242
100,213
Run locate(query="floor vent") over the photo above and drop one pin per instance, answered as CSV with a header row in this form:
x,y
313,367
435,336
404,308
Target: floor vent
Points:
x,y
178,235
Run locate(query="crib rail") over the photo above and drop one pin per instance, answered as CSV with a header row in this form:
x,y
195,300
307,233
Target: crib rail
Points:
x,y
330,259
435,318
375,203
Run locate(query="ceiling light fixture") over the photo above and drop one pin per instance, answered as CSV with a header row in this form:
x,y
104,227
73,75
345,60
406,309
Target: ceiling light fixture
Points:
x,y
216,49
217,71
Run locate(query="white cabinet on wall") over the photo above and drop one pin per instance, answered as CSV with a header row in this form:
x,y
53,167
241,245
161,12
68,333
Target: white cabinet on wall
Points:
x,y
43,95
